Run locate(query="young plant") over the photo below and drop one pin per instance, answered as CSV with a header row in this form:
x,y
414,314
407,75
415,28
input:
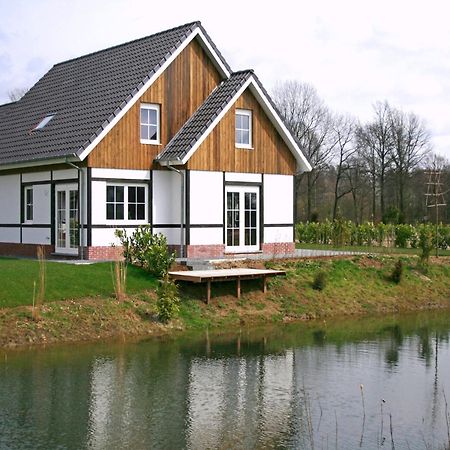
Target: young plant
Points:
x,y
119,276
320,281
397,272
147,250
168,302
38,297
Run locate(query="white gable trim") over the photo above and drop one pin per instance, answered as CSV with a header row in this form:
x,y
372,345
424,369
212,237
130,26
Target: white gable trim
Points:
x,y
215,122
303,163
203,42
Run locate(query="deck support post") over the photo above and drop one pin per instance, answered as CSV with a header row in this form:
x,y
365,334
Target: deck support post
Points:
x,y
208,291
264,289
238,287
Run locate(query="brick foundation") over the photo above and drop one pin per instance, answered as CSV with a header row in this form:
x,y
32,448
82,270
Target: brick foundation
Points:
x,y
26,250
105,253
278,248
205,251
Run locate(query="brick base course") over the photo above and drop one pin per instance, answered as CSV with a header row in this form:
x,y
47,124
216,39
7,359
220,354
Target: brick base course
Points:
x,y
27,250
106,253
204,251
279,248
114,253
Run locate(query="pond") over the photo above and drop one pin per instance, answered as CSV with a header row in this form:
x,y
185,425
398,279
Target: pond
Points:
x,y
348,384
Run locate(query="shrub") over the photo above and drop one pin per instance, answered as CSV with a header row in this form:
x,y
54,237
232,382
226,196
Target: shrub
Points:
x,y
168,302
148,250
426,245
320,281
397,272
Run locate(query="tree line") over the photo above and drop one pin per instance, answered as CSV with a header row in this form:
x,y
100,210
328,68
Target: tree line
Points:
x,y
374,171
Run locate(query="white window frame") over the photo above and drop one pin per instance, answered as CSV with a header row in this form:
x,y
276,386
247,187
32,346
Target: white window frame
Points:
x,y
125,220
25,200
153,107
249,114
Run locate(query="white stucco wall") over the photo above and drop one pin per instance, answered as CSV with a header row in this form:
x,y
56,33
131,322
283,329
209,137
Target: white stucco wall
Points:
x,y
41,203
121,174
278,199
8,234
105,236
206,236
166,197
278,234
36,176
9,199
36,235
206,197
244,177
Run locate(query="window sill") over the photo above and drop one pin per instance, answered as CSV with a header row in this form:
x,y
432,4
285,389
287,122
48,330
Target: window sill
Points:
x,y
146,142
244,147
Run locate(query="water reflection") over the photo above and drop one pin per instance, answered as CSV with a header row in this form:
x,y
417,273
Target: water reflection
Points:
x,y
295,386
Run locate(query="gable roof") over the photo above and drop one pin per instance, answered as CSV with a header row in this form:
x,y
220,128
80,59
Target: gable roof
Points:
x,y
89,94
189,138
191,132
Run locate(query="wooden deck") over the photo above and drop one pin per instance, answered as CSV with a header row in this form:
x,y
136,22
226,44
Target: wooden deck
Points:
x,y
209,276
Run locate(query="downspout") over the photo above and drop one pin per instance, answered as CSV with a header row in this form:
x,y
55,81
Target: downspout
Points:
x,y
80,208
182,235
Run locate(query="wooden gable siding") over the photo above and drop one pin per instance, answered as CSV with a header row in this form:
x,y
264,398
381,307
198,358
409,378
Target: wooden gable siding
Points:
x,y
269,153
179,91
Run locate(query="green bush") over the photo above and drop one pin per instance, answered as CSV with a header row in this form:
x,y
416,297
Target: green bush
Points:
x,y
320,281
344,233
147,250
426,245
168,301
397,272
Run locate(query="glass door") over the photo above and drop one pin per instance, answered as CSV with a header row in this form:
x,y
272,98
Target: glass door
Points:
x,y
67,225
242,219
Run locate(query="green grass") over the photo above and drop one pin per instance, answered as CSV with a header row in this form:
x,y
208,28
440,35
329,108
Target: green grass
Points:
x,y
64,281
370,249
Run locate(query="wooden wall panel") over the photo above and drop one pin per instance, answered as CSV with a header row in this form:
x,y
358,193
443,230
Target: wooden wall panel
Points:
x,y
180,90
269,153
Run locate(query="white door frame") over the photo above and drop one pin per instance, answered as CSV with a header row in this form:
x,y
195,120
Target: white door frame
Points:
x,y
246,217
63,232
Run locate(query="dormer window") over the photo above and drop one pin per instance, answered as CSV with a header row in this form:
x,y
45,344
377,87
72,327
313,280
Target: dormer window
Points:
x,y
43,122
150,123
243,128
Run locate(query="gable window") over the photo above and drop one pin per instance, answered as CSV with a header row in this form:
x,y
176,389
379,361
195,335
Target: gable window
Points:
x,y
150,124
28,204
243,128
126,203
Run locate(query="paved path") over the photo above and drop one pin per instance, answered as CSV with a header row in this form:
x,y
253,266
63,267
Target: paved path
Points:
x,y
205,264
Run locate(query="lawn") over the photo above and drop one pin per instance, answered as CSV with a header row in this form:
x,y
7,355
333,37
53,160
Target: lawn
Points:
x,y
372,249
64,281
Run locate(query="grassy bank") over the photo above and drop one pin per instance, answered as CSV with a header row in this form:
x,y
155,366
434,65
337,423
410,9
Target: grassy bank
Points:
x,y
354,286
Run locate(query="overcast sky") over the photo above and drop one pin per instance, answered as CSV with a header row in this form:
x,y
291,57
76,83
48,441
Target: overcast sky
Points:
x,y
353,52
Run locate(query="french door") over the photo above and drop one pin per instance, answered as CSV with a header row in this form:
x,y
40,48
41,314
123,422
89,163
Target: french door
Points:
x,y
67,225
242,219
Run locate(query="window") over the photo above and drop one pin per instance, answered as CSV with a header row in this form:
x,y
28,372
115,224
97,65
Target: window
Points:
x,y
28,204
115,202
136,203
150,124
43,122
243,128
126,202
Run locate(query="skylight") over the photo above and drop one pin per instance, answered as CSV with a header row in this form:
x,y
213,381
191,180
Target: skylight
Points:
x,y
44,122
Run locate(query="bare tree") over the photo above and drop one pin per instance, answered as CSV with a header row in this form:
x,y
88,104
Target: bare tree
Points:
x,y
376,137
411,144
16,94
343,128
310,120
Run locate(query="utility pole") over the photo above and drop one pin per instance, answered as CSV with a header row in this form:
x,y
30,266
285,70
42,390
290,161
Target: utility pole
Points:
x,y
435,197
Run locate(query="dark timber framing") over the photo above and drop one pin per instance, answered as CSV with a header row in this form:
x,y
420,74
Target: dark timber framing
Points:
x,y
89,206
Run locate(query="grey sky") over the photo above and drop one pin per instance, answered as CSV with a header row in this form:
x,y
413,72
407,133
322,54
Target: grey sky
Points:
x,y
353,52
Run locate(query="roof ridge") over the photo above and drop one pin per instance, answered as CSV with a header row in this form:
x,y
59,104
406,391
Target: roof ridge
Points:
x,y
243,71
186,25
